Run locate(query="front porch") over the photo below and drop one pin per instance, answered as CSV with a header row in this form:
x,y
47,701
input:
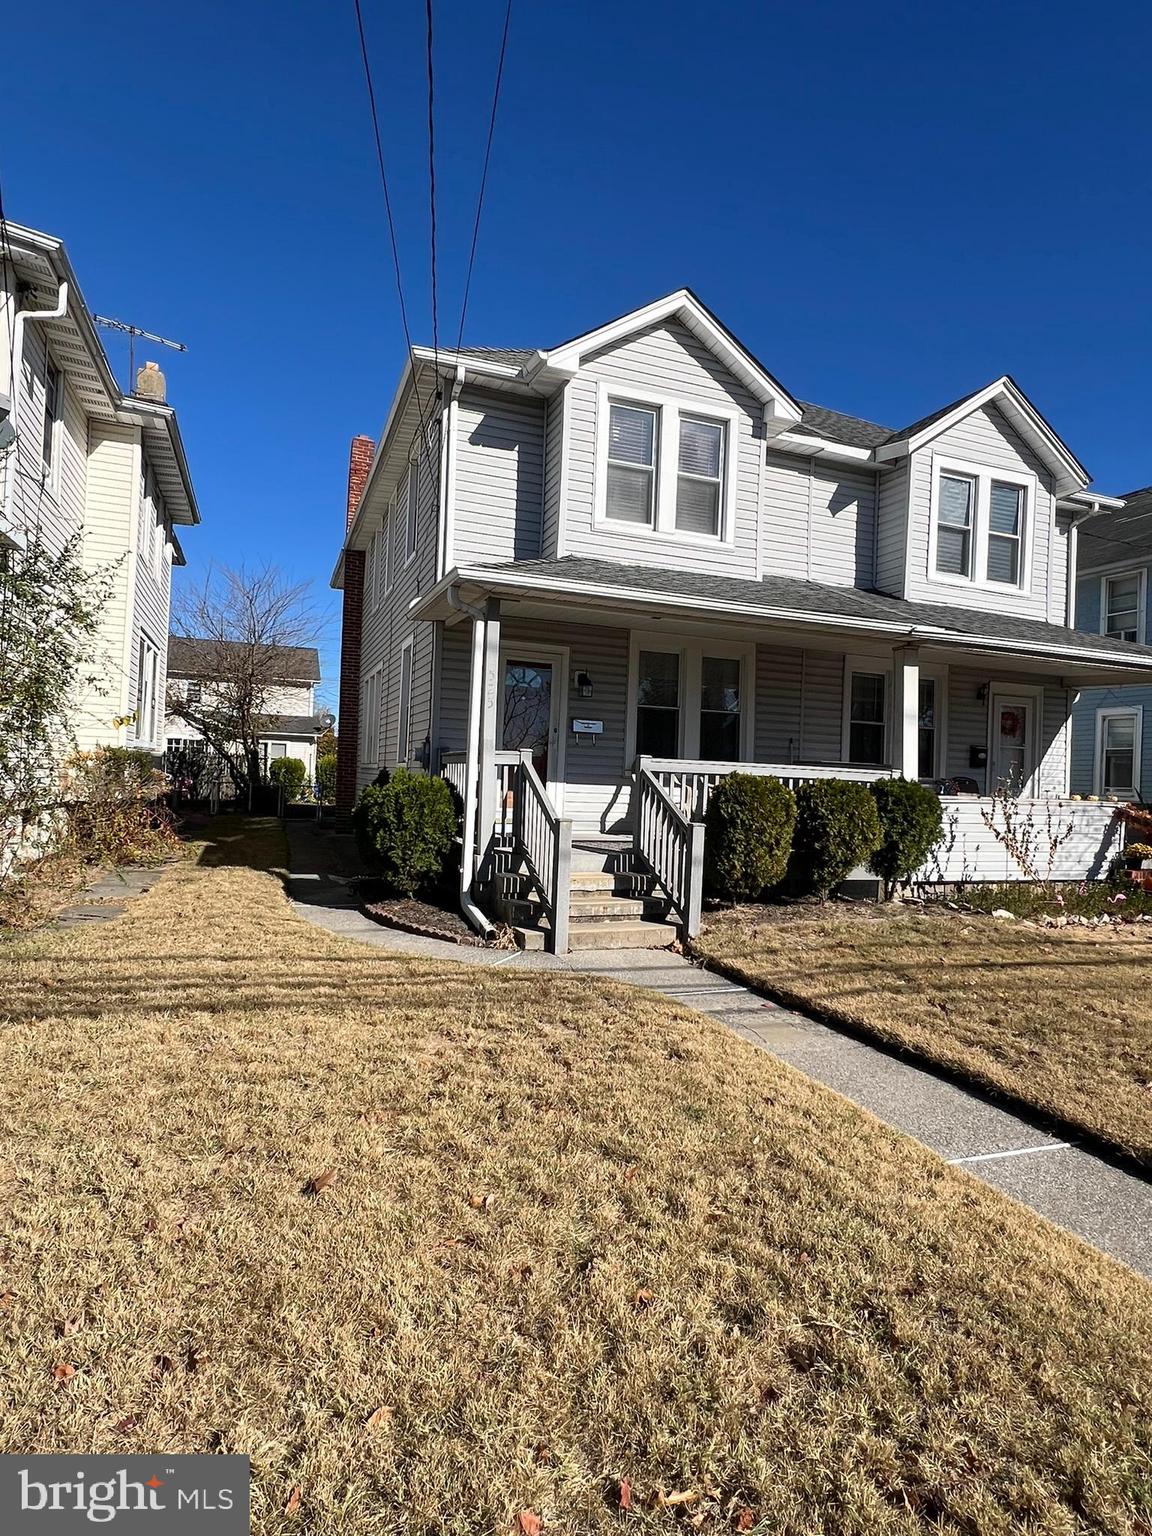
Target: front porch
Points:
x,y
562,719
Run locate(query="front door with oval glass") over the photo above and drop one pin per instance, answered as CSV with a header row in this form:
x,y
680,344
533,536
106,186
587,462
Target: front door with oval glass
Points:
x,y
1012,767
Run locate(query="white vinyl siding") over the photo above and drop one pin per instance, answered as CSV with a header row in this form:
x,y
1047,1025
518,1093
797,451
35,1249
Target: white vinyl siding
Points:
x,y
499,476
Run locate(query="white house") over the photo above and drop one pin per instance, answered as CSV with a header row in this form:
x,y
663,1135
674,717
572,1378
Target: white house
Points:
x,y
82,457
198,668
587,581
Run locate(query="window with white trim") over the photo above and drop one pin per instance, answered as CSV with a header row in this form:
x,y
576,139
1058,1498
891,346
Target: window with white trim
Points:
x,y
370,719
928,728
980,531
1122,605
412,526
370,558
658,704
51,416
404,712
147,669
1118,742
867,717
665,466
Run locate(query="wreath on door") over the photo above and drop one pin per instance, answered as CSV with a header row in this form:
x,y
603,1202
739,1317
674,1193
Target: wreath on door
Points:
x,y
1011,722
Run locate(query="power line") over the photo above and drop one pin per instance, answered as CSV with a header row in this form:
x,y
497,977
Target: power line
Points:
x,y
484,173
432,182
391,225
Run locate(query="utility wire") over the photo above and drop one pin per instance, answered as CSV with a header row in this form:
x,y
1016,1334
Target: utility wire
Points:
x,y
422,429
432,181
484,173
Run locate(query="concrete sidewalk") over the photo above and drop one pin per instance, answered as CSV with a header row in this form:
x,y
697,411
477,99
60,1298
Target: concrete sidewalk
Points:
x,y
1102,1203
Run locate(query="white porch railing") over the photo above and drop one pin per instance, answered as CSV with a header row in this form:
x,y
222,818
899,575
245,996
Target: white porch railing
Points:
x,y
671,844
689,785
453,766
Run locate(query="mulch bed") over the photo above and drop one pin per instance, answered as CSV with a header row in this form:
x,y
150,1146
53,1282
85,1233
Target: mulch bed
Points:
x,y
419,917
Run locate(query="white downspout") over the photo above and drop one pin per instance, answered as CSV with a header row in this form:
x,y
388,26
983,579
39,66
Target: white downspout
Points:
x,y
471,763
22,318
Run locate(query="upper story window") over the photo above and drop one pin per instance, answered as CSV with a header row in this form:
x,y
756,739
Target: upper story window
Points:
x,y
51,415
666,467
1122,606
631,490
194,692
412,492
979,532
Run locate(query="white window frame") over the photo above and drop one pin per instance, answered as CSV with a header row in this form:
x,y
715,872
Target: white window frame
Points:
x,y
668,411
412,514
50,435
691,652
1135,712
983,475
369,723
1141,574
404,704
147,687
371,557
872,665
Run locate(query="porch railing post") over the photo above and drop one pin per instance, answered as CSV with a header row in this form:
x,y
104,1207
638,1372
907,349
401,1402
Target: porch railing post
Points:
x,y
906,713
561,893
694,896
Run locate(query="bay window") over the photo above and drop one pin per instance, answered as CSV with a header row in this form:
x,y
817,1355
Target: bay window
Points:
x,y
666,467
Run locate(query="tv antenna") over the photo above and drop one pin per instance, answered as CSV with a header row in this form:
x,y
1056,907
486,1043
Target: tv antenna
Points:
x,y
132,331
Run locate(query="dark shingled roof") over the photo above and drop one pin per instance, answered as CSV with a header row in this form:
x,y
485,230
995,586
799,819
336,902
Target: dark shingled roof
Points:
x,y
194,657
291,725
837,428
515,357
813,597
1125,534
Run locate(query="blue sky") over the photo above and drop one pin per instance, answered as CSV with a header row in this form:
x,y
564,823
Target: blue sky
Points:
x,y
890,205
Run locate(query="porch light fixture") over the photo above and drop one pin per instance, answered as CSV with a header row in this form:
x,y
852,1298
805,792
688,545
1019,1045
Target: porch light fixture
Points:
x,y
584,685
982,693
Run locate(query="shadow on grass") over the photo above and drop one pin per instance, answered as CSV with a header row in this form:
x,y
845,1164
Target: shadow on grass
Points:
x,y
245,842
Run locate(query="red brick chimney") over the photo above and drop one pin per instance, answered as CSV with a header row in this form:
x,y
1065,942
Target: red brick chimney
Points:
x,y
348,738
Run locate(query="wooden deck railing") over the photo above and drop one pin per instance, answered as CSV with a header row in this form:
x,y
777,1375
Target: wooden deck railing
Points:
x,y
671,844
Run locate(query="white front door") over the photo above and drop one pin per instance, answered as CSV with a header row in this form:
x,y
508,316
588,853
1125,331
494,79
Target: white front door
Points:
x,y
1012,760
533,685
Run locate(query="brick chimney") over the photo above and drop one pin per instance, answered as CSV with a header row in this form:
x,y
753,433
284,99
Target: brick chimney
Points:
x,y
359,463
150,383
348,737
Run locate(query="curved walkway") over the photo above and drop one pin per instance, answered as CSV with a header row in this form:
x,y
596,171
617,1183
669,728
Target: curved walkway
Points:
x,y
1101,1202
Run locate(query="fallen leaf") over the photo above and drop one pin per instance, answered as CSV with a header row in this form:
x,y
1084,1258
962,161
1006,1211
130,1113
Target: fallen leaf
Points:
x,y
192,1358
644,1297
625,1493
480,1202
380,1416
543,1455
528,1523
293,1503
630,1173
743,1519
672,1500
321,1182
7,1299
127,1423
69,1326
63,1372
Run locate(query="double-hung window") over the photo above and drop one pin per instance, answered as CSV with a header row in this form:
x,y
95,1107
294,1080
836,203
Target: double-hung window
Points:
x,y
412,493
665,466
51,417
1118,742
927,728
1121,606
147,667
658,704
404,714
370,719
693,701
867,717
631,476
980,525
955,510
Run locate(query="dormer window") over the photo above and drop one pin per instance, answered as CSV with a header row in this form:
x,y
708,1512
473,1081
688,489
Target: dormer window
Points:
x,y
979,534
665,466
1122,606
632,432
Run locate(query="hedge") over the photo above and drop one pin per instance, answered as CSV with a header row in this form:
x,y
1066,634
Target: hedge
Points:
x,y
910,823
406,828
837,829
750,822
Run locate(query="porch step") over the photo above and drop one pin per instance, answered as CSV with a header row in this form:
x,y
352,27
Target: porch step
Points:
x,y
610,935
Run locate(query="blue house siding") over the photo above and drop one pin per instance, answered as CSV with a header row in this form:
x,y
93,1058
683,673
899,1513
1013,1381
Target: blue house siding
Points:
x,y
1083,756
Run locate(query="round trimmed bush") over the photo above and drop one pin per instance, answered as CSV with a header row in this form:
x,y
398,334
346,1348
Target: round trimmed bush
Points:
x,y
910,823
288,774
406,828
749,838
837,829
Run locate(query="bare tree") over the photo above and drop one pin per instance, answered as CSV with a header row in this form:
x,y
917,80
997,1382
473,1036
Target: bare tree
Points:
x,y
241,621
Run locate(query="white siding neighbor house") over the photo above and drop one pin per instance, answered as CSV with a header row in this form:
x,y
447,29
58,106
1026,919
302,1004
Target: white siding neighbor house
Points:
x,y
291,674
86,460
585,582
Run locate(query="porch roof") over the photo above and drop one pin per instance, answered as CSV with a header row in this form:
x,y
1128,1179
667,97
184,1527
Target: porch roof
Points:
x,y
791,601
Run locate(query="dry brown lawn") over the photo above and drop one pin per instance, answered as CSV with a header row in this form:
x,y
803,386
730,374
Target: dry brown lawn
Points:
x,y
1059,1018
573,1235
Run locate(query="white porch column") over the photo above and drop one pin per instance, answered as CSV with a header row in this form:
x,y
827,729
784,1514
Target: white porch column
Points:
x,y
491,709
906,711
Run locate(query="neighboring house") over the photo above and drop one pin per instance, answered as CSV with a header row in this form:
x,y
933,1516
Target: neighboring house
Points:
x,y
610,572
196,668
85,458
1112,727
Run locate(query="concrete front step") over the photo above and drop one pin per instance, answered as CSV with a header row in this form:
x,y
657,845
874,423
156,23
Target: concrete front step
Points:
x,y
581,936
